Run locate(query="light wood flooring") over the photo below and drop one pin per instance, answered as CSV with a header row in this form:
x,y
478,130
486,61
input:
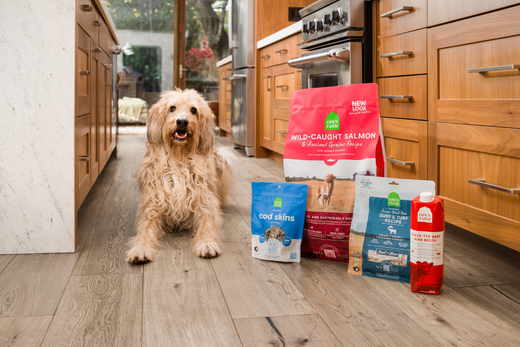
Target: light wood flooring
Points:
x,y
94,298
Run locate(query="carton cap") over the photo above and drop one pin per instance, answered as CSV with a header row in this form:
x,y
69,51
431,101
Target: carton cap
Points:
x,y
426,197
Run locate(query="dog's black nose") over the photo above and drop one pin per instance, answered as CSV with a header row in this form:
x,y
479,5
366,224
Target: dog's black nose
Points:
x,y
182,122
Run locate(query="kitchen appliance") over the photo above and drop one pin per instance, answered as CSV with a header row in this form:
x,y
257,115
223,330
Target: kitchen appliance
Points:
x,y
243,48
338,37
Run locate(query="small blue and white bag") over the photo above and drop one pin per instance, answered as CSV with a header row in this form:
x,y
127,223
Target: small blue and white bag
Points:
x,y
277,217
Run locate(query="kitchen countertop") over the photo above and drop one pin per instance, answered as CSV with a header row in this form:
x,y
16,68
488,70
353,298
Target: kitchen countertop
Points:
x,y
224,61
280,35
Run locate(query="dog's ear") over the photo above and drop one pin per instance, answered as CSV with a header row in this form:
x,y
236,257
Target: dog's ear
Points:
x,y
155,123
207,124
333,177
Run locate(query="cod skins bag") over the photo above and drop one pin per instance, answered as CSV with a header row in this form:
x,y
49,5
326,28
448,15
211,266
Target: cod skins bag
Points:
x,y
277,214
334,137
380,232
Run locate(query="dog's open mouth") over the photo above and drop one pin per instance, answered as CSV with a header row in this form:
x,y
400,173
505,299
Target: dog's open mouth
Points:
x,y
180,135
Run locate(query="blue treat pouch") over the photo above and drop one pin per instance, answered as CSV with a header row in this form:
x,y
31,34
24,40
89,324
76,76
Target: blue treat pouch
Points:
x,y
277,216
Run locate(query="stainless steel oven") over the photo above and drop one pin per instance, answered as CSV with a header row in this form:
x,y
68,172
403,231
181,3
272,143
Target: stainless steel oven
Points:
x,y
337,42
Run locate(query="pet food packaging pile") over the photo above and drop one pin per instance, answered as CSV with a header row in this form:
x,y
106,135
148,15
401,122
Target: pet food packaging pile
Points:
x,y
334,135
337,204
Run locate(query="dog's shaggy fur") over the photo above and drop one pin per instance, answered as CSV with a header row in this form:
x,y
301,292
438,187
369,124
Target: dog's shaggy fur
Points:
x,y
325,190
183,180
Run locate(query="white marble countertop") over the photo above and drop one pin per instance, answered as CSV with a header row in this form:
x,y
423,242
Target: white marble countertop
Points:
x,y
224,61
280,35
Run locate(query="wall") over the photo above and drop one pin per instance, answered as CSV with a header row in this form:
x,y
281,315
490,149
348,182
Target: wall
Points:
x,y
37,45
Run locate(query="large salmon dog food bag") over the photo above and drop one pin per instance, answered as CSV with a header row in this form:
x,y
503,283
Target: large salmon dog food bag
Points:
x,y
334,136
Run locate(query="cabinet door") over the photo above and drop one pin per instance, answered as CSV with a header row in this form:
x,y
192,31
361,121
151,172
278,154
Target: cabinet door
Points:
x,y
474,70
225,98
83,72
101,114
82,165
469,163
94,155
285,81
265,109
110,144
406,147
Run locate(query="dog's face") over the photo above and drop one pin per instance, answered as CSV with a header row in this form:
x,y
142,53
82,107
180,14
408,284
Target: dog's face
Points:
x,y
182,119
329,178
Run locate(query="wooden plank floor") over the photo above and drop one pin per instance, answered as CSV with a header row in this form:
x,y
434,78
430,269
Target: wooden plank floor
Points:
x,y
94,298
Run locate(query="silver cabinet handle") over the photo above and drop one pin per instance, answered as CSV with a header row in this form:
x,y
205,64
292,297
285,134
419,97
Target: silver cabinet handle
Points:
x,y
265,56
399,162
234,77
393,54
399,9
96,49
496,68
84,158
482,182
409,97
87,8
268,83
97,23
281,51
283,86
116,51
84,72
338,54
281,132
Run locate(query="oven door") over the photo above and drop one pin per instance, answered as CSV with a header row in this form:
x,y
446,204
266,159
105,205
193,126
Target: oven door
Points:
x,y
337,65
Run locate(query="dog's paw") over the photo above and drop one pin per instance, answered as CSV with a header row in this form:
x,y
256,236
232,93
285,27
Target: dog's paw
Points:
x,y
206,249
140,255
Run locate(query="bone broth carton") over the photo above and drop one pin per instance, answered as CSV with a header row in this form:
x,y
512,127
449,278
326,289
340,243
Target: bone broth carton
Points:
x,y
427,244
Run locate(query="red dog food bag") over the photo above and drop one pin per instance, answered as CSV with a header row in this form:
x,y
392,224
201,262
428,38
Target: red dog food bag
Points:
x,y
334,135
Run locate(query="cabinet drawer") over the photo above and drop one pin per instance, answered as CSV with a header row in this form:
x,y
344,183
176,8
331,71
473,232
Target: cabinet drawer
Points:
x,y
87,16
462,86
442,11
265,107
284,50
459,153
280,134
406,148
266,57
403,54
82,158
403,97
105,38
83,72
400,16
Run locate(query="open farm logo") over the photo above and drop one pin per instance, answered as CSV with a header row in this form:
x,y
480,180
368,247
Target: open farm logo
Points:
x,y
424,215
358,106
277,203
394,200
332,121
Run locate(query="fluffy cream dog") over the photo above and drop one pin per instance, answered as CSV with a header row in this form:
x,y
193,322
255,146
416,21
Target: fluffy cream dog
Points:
x,y
183,180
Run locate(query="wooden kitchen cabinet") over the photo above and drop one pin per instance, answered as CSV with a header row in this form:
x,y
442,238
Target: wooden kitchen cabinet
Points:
x,y
460,153
472,117
276,82
95,138
406,146
458,93
224,99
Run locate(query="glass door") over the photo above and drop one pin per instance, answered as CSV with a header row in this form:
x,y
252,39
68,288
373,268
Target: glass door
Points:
x,y
206,42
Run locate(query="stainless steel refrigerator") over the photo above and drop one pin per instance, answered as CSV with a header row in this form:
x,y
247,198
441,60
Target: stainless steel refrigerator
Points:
x,y
242,44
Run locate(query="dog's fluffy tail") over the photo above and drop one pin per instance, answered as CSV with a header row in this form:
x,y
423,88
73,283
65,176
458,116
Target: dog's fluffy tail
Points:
x,y
224,175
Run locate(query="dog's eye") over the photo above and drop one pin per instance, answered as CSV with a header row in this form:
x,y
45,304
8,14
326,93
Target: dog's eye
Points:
x,y
172,108
193,110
